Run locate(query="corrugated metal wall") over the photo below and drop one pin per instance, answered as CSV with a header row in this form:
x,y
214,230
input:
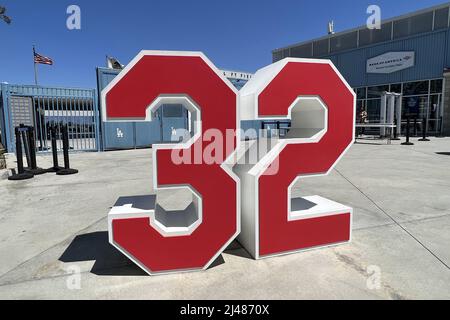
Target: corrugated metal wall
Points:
x,y
432,57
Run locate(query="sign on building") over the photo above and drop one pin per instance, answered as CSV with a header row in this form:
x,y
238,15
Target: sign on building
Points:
x,y
21,112
391,62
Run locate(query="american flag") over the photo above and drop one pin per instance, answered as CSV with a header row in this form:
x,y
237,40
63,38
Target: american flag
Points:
x,y
42,59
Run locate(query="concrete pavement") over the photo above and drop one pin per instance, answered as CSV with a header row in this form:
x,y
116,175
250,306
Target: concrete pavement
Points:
x,y
52,225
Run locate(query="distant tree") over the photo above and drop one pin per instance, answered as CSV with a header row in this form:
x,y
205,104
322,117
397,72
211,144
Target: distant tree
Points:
x,y
3,16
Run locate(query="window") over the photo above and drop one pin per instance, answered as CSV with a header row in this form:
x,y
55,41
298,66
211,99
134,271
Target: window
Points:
x,y
441,19
344,42
396,88
415,106
414,25
360,105
376,92
422,23
320,48
303,51
277,56
415,88
401,28
367,36
436,86
361,93
373,110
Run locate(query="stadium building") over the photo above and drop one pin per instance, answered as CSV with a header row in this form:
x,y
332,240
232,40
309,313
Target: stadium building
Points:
x,y
409,55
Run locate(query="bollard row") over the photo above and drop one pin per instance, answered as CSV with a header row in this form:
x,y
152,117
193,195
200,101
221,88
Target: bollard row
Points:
x,y
26,142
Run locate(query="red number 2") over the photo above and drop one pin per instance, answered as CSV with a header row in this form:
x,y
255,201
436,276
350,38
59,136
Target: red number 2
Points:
x,y
321,107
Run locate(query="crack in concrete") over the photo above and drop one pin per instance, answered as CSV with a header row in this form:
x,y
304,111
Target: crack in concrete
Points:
x,y
395,221
352,263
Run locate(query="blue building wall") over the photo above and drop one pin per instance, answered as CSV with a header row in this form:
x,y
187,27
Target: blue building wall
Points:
x,y
432,54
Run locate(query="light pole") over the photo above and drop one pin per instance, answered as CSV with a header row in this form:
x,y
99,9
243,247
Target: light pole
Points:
x,y
3,16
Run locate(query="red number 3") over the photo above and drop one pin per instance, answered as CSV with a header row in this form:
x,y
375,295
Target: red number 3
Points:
x,y
321,107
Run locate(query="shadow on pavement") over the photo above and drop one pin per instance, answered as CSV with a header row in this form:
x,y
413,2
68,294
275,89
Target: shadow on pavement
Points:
x,y
108,260
443,153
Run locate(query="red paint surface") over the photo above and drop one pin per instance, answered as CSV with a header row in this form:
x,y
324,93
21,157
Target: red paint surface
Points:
x,y
277,235
151,77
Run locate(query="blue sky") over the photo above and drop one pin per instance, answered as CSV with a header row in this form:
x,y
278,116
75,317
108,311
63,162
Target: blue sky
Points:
x,y
234,34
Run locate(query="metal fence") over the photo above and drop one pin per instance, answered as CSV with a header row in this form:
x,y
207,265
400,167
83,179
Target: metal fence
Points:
x,y
46,107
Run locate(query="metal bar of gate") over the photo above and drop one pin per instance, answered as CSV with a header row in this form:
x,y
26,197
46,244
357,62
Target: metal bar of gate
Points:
x,y
96,119
86,131
52,112
44,120
83,129
89,120
58,119
69,106
80,135
38,124
77,111
73,107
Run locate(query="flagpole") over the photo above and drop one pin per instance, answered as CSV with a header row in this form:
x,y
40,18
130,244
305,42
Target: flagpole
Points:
x,y
35,67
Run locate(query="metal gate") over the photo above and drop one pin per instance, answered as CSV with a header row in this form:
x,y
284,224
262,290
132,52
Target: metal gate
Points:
x,y
46,107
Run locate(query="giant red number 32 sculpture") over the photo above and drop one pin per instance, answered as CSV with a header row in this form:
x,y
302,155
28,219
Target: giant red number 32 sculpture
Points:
x,y
321,107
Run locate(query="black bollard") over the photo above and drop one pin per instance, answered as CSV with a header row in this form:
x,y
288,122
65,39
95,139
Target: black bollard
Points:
x,y
33,168
415,127
56,167
21,174
396,138
424,131
67,170
408,125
